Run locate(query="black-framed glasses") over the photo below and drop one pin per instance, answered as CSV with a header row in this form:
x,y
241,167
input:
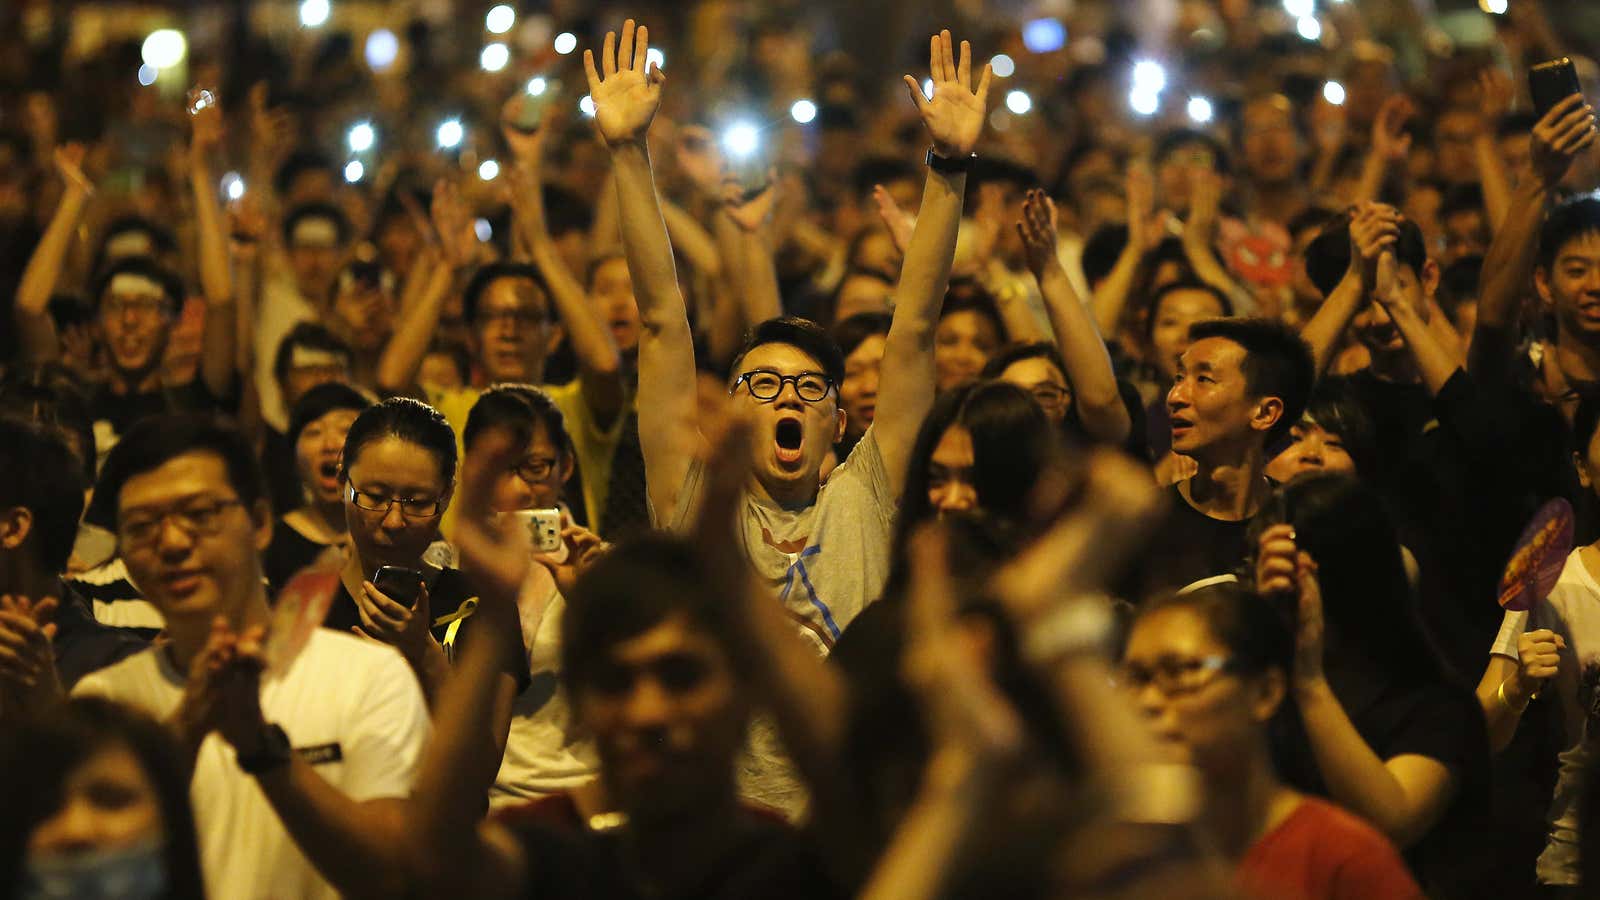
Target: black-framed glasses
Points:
x,y
410,507
1174,676
765,384
1050,396
144,307
534,470
199,518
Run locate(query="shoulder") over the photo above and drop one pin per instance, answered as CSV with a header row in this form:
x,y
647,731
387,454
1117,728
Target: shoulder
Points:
x,y
329,651
126,679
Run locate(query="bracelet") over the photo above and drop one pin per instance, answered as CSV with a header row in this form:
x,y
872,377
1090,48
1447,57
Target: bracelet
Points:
x,y
1501,693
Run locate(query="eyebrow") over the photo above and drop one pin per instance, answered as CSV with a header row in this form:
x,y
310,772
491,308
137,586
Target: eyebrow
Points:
x,y
198,494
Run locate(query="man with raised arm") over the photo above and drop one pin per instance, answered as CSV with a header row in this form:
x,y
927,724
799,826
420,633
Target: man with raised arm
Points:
x,y
824,549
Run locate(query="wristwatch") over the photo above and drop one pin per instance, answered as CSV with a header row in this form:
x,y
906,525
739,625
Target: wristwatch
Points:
x,y
950,166
273,752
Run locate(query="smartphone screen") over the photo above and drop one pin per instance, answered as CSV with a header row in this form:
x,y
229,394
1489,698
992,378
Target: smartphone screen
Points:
x,y
399,584
1551,82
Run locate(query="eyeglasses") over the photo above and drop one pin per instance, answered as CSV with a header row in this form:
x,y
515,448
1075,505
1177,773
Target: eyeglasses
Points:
x,y
534,470
514,316
145,307
1174,676
410,507
765,384
1050,396
197,519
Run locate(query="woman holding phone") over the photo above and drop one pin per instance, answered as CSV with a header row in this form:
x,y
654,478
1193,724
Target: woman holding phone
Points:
x,y
397,474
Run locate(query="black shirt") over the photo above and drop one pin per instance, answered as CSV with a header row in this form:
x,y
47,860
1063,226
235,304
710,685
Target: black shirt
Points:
x,y
283,479
83,645
123,410
1189,546
289,552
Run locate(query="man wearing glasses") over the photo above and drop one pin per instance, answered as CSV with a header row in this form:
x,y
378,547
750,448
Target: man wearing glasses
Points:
x,y
300,771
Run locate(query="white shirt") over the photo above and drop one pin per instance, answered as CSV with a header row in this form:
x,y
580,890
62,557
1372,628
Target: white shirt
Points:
x,y
351,707
1572,611
280,310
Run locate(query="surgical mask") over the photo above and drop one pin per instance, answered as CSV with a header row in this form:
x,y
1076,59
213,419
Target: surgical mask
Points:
x,y
130,873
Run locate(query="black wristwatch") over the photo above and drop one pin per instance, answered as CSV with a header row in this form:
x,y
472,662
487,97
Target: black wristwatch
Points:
x,y
950,166
273,752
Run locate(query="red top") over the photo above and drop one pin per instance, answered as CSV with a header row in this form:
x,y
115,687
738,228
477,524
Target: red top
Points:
x,y
1321,852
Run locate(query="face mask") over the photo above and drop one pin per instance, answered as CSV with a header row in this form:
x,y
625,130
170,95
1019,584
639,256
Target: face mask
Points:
x,y
133,873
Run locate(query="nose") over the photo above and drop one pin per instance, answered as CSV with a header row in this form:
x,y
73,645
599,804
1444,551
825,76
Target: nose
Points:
x,y
1311,451
173,540
74,828
1178,396
1152,703
393,520
869,383
958,496
648,706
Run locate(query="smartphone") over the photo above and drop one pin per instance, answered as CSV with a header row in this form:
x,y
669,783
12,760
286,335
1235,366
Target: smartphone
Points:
x,y
528,112
1551,82
750,173
544,528
399,584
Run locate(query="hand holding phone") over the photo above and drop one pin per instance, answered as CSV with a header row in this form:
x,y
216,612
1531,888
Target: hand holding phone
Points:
x,y
544,528
399,584
1552,81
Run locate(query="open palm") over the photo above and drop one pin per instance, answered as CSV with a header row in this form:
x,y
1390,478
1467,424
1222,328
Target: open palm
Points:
x,y
626,100
954,115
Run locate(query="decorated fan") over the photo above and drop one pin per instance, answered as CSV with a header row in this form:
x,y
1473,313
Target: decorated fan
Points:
x,y
1535,565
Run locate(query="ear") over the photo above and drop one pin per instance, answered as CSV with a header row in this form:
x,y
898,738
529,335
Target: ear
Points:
x,y
16,524
838,432
568,466
261,514
554,339
1541,283
1267,414
1268,695
1582,467
1430,278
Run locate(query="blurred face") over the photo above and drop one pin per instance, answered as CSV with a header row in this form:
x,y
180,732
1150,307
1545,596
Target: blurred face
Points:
x,y
612,292
189,542
950,485
316,454
364,316
1312,448
1271,145
858,393
1517,151
398,243
1179,674
1177,171
667,718
861,294
315,267
877,253
439,372
136,318
1588,464
1374,327
1048,385
107,803
537,478
1452,140
1169,334
391,468
310,370
513,331
792,436
962,344
1213,414
1571,287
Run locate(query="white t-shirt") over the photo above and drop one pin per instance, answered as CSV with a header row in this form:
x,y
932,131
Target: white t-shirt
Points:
x,y
350,707
1572,611
280,310
543,755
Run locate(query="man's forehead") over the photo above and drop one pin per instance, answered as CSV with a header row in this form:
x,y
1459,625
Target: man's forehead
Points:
x,y
1213,353
673,636
1585,246
181,477
786,358
511,293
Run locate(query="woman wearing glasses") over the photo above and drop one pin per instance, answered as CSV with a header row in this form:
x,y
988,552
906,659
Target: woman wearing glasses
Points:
x,y
397,475
1210,671
1040,369
317,428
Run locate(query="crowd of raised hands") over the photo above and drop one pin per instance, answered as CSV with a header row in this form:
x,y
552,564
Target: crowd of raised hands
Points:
x,y
944,498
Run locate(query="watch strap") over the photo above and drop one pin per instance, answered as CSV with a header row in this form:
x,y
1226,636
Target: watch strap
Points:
x,y
949,166
273,752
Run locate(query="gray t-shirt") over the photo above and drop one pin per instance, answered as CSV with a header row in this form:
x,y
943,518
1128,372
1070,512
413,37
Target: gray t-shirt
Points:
x,y
827,561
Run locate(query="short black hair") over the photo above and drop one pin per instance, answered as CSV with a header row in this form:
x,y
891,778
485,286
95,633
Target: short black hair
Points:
x,y
565,211
1101,250
298,163
50,395
999,170
145,267
1336,407
634,588
1458,284
409,420
1328,255
854,330
42,476
516,407
1277,363
460,356
876,170
1183,284
969,296
803,334
1571,219
321,400
311,336
326,211
1017,352
155,441
1255,630
490,273
1178,137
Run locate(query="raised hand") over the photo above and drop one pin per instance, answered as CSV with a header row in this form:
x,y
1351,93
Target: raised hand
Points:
x,y
1283,569
271,129
1204,204
27,658
627,97
1565,131
453,225
69,165
1538,659
223,690
1389,139
954,116
527,148
1143,233
496,558
1374,230
899,222
1038,230
205,122
746,211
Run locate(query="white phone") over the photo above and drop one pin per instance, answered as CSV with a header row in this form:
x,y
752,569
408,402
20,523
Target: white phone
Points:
x,y
544,528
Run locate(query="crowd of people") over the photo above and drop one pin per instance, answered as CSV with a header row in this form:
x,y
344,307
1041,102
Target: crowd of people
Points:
x,y
454,460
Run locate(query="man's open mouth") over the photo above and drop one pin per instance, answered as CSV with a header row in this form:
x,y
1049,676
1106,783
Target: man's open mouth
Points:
x,y
789,436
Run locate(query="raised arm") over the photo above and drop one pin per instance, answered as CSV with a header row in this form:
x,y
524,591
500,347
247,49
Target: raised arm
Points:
x,y
1374,229
625,101
1390,145
755,275
1494,97
39,342
954,120
1094,384
1565,131
1435,361
219,362
1110,300
596,350
417,323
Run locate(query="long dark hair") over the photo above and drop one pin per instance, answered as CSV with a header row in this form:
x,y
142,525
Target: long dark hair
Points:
x,y
39,752
1012,443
